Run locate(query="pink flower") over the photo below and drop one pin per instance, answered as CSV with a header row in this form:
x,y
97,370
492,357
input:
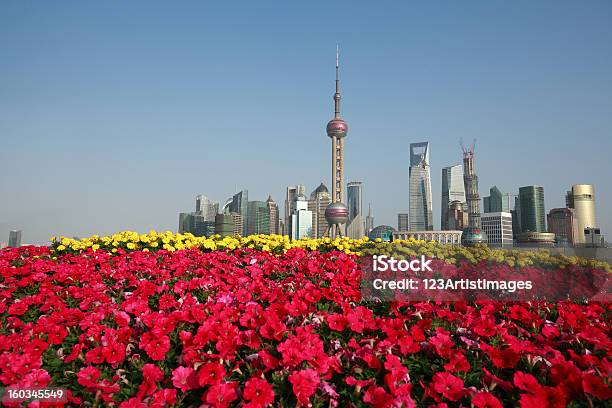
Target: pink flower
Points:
x,y
184,378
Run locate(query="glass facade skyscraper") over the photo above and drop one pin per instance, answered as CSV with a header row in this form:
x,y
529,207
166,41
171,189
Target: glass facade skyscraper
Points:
x,y
239,205
498,201
258,218
453,189
354,199
420,202
355,227
14,238
532,214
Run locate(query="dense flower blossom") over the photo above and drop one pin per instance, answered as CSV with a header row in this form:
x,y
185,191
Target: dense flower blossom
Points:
x,y
231,323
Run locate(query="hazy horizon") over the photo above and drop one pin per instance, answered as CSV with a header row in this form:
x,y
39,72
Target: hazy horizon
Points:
x,y
115,116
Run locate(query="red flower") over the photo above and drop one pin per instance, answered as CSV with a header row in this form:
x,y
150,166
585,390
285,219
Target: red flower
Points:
x,y
37,378
336,322
221,395
448,385
210,374
378,397
443,345
507,358
486,400
164,398
268,359
114,352
408,345
458,362
156,346
305,383
184,378
594,386
88,376
258,392
360,319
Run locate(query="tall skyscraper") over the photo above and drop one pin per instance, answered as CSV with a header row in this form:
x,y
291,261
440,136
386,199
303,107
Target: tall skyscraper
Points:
x,y
336,213
14,238
291,196
301,219
498,201
457,218
582,198
562,222
356,223
206,208
420,202
240,202
317,204
224,225
369,221
470,181
453,189
355,199
273,211
403,222
258,218
201,222
532,215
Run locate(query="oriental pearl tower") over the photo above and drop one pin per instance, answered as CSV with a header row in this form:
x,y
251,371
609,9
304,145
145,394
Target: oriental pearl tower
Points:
x,y
336,213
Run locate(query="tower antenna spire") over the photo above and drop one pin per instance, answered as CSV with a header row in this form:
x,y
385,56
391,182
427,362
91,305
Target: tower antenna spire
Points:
x,y
337,94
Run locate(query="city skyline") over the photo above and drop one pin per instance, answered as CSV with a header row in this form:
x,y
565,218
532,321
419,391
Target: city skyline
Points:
x,y
74,122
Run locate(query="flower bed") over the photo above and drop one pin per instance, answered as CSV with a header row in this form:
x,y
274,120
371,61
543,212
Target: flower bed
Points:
x,y
259,321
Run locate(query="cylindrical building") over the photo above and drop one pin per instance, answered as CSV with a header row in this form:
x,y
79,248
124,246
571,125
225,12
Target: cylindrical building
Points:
x,y
582,199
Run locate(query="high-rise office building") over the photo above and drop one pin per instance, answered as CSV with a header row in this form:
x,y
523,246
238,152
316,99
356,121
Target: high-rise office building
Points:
x,y
403,222
582,198
206,208
532,214
498,227
356,224
354,198
369,221
224,225
420,202
336,213
258,218
470,182
457,217
240,202
201,222
301,219
14,238
274,221
498,201
290,198
453,189
237,222
516,217
562,222
320,198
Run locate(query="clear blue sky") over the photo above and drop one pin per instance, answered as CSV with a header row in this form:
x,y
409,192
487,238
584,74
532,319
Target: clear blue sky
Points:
x,y
115,114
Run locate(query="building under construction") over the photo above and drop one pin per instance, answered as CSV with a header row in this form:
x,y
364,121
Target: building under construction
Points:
x,y
470,181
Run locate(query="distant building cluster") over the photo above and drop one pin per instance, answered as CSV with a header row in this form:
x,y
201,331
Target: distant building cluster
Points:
x,y
507,219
